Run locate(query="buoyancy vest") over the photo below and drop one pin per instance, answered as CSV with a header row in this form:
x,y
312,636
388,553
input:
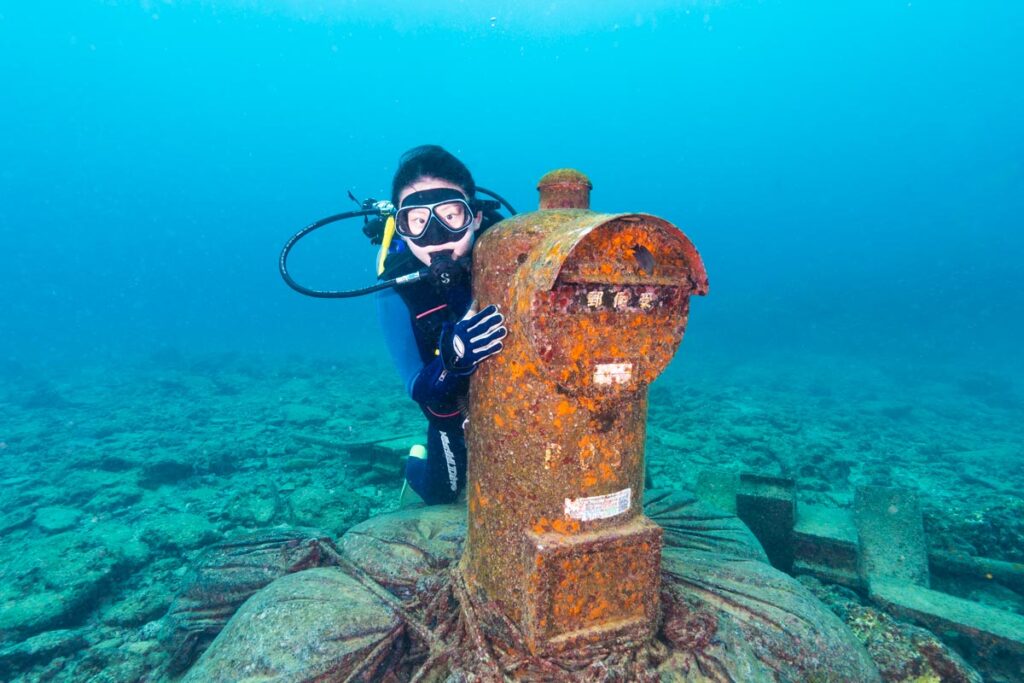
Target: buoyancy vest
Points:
x,y
428,310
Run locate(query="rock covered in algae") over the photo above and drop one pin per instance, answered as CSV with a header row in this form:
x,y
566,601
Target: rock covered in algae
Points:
x,y
730,616
318,624
903,652
401,550
690,524
727,615
229,573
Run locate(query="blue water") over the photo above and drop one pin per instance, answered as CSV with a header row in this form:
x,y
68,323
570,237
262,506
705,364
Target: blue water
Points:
x,y
851,173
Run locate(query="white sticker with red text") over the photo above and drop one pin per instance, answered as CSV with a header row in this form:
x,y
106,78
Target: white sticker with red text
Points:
x,y
599,507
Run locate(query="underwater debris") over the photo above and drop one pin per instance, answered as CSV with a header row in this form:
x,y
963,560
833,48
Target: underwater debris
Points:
x,y
903,652
397,578
880,549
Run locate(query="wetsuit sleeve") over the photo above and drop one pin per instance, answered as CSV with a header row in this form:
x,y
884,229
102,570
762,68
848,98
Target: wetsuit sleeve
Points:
x,y
399,336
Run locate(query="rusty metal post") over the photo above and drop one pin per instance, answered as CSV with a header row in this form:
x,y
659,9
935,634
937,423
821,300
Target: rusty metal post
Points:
x,y
564,188
596,306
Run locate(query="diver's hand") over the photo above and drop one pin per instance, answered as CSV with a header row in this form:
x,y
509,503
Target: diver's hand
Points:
x,y
471,340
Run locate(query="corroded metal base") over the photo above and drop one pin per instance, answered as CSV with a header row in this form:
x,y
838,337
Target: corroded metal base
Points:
x,y
596,586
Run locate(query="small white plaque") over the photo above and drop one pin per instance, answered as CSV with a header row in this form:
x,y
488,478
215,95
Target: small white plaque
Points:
x,y
613,373
599,507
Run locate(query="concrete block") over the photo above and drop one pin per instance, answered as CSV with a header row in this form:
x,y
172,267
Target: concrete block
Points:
x,y
891,532
718,488
986,626
767,505
825,545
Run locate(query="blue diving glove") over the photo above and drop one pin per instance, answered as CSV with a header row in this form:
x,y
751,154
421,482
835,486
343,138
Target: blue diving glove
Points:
x,y
476,337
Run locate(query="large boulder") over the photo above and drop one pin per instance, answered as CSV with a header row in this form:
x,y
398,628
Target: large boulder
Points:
x,y
750,622
730,616
727,614
319,624
402,549
229,573
690,524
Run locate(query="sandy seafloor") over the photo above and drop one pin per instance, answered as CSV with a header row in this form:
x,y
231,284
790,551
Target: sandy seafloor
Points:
x,y
114,475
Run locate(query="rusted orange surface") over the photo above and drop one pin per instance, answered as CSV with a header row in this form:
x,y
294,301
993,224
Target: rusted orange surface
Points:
x,y
596,306
597,579
564,188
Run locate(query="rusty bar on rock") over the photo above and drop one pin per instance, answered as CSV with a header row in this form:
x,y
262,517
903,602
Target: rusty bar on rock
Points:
x,y
596,306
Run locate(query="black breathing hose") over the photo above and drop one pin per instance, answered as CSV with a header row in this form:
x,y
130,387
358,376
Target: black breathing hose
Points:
x,y
282,263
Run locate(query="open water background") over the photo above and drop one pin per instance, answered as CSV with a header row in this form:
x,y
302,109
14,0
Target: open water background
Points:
x,y
851,172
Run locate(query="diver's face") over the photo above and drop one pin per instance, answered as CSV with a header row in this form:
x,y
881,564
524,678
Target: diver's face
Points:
x,y
462,245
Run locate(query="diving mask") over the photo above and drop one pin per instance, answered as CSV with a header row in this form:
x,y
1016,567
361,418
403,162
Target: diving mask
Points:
x,y
432,217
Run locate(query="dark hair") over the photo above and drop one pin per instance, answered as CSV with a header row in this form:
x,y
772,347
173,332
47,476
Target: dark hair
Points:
x,y
433,161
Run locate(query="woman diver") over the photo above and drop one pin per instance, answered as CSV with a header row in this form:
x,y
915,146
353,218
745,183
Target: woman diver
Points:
x,y
434,336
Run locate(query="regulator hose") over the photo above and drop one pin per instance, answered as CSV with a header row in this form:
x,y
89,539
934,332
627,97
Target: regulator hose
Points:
x,y
282,263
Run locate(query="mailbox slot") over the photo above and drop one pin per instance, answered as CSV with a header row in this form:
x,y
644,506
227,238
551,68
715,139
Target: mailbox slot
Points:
x,y
616,311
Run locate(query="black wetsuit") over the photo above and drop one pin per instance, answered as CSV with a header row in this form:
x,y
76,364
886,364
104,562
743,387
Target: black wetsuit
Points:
x,y
412,317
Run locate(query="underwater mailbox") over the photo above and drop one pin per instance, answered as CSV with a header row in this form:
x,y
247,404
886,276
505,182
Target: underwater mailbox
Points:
x,y
596,306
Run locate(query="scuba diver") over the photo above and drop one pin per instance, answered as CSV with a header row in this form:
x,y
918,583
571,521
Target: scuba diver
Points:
x,y
424,298
435,337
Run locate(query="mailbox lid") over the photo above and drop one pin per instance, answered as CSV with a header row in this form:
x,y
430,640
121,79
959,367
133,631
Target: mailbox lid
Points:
x,y
582,246
616,310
